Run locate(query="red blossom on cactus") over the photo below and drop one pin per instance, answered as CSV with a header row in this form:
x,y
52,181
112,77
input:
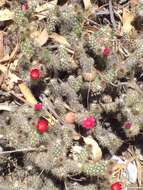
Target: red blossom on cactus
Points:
x,y
38,106
42,125
116,186
88,122
127,125
106,52
24,7
35,74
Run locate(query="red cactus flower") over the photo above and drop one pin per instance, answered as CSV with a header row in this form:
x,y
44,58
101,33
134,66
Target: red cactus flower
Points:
x,y
88,122
127,125
42,126
116,186
24,7
106,52
38,106
35,74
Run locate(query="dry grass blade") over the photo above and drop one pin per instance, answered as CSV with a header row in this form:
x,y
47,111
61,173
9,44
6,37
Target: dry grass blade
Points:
x,y
139,171
87,4
27,94
1,45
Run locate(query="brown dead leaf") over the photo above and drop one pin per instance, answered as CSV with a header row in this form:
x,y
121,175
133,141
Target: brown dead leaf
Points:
x,y
60,39
87,4
1,45
127,19
41,38
27,94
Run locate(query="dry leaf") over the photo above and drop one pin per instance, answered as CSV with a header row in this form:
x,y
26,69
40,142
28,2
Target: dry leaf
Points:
x,y
46,6
9,58
41,38
42,10
60,39
1,45
6,14
96,150
27,94
87,4
127,19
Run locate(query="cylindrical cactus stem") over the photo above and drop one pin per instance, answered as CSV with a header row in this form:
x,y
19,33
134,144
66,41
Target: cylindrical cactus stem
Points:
x,y
95,169
75,82
71,96
66,62
67,168
107,139
131,128
80,154
60,109
67,135
87,66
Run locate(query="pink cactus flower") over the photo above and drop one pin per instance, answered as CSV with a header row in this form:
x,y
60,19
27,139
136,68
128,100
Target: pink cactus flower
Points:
x,y
38,106
88,122
106,52
127,125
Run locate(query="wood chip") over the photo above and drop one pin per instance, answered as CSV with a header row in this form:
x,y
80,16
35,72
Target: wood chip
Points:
x,y
42,38
60,39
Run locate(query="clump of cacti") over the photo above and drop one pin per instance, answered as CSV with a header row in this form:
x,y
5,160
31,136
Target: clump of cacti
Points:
x,y
71,94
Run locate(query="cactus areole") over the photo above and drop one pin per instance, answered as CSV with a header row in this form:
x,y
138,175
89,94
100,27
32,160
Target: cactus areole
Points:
x,y
42,125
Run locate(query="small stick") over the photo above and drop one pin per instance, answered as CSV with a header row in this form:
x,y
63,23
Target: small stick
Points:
x,y
23,150
112,15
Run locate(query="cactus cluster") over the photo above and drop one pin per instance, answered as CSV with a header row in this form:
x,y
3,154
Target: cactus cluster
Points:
x,y
85,86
